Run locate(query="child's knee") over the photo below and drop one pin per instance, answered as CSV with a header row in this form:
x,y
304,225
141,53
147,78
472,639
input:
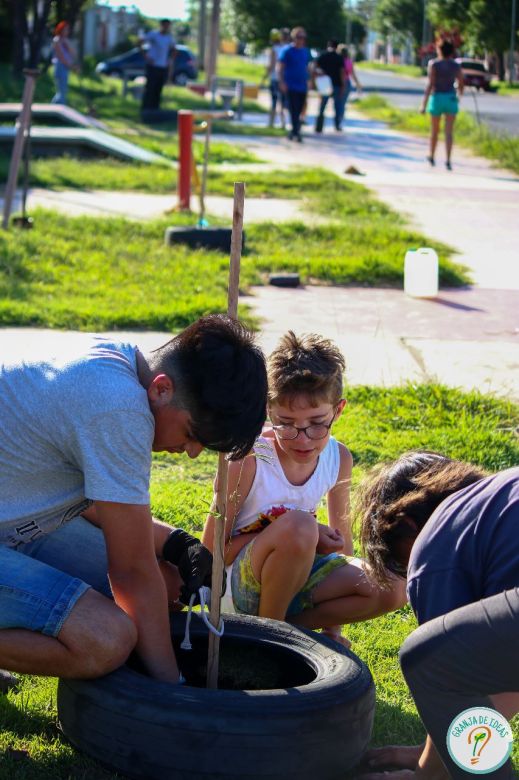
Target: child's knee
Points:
x,y
298,531
394,597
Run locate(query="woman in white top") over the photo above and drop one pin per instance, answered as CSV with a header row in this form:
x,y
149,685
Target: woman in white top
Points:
x,y
276,45
63,60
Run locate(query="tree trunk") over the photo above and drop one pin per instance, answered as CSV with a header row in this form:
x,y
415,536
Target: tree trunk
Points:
x,y
19,29
37,33
500,57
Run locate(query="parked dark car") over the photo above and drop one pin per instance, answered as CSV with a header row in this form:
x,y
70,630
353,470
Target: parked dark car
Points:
x,y
476,74
133,64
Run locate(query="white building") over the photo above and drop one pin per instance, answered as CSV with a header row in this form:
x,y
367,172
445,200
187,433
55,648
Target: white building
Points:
x,y
104,27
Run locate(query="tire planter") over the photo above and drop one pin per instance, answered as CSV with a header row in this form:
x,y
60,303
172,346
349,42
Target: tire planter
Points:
x,y
201,237
284,280
304,711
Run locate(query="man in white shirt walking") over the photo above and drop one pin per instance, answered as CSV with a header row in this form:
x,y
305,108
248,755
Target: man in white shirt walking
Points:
x,y
159,53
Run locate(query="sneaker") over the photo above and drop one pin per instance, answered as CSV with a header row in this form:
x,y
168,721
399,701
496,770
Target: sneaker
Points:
x,y
430,160
290,136
299,138
448,165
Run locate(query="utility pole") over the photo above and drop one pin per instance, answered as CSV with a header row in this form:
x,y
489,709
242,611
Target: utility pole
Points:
x,y
214,41
424,34
511,66
202,33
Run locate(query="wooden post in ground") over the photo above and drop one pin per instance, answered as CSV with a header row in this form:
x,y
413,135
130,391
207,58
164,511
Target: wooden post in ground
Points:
x,y
221,495
19,141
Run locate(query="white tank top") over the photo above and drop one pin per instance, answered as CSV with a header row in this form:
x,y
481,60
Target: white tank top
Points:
x,y
271,488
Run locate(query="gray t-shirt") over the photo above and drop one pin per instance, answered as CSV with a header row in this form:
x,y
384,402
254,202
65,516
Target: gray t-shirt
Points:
x,y
159,48
73,429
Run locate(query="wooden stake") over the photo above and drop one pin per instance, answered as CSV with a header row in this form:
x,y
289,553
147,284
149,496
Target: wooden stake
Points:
x,y
221,494
19,141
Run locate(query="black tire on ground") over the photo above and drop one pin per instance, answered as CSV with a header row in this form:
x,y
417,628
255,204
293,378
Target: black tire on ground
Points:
x,y
315,722
284,280
201,238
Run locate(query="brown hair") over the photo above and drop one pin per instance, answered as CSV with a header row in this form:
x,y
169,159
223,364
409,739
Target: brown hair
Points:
x,y
395,501
308,365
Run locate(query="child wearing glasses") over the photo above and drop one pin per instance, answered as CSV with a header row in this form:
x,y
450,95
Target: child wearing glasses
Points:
x,y
282,563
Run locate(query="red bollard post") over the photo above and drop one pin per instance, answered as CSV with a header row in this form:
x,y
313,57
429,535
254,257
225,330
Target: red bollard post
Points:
x,y
185,158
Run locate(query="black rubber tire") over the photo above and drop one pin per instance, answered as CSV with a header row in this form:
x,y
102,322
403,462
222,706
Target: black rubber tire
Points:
x,y
147,729
201,238
284,280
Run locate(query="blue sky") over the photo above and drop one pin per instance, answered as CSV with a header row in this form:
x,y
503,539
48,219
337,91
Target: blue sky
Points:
x,y
174,9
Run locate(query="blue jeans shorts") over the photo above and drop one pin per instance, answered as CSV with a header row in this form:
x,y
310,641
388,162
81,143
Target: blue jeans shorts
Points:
x,y
40,582
246,590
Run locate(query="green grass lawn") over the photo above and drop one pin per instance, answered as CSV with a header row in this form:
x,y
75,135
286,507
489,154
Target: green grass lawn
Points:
x,y
233,66
94,273
378,424
401,70
501,148
504,88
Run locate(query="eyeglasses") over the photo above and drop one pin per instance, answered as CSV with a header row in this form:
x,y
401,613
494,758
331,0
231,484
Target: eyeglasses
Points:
x,y
314,431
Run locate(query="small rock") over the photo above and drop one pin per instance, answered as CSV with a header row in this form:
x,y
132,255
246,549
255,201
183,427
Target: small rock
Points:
x,y
8,681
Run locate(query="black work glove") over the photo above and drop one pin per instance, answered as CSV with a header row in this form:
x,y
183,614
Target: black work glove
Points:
x,y
194,562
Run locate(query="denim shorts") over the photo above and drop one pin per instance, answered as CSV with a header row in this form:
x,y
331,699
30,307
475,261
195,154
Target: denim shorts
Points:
x,y
246,589
40,582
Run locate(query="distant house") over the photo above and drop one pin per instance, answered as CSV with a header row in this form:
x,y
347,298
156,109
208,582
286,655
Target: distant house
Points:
x,y
104,27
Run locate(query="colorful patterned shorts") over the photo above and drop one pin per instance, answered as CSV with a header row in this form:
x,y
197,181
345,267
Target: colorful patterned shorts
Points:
x,y
246,589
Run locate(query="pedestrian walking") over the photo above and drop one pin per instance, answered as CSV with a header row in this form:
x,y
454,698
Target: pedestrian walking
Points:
x,y
293,76
440,98
331,64
350,74
159,53
276,97
63,59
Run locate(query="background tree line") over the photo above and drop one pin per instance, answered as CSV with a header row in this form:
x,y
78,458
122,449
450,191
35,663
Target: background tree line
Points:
x,y
485,25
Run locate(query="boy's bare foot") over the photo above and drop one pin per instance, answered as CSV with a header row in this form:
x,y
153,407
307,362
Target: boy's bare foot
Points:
x,y
397,756
336,635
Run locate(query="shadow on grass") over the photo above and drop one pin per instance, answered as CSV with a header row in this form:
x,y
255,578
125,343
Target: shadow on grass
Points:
x,y
20,723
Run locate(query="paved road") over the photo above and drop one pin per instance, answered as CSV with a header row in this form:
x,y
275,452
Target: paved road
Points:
x,y
499,112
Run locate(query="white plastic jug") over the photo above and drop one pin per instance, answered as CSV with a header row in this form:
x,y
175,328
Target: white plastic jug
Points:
x,y
421,273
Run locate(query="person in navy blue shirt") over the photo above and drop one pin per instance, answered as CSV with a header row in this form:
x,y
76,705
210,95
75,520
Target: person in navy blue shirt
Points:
x,y
453,531
293,78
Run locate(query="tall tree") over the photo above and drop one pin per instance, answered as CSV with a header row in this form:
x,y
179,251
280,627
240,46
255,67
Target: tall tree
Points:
x,y
400,17
322,20
448,14
489,24
29,21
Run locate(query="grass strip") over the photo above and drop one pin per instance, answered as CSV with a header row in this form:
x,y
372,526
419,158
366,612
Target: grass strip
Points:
x,y
378,424
402,70
92,273
499,147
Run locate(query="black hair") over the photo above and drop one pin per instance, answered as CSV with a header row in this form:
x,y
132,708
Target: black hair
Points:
x,y
446,48
220,378
333,43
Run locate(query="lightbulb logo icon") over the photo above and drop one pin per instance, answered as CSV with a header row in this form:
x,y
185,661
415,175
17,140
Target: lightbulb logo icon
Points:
x,y
479,740
479,736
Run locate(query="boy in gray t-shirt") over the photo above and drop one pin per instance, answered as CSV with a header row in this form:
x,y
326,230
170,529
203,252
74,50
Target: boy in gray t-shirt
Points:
x,y
76,436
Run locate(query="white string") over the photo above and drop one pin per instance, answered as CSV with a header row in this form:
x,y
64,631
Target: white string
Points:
x,y
205,602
